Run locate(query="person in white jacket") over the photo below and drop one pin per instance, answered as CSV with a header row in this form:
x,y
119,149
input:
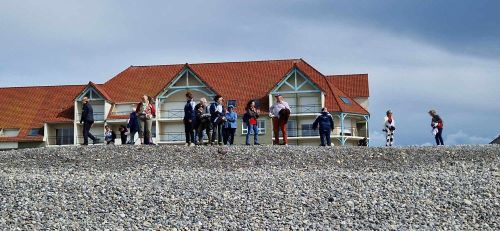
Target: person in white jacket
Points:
x,y
389,128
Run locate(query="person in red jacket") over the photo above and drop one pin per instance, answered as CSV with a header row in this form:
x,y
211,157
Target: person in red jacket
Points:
x,y
437,127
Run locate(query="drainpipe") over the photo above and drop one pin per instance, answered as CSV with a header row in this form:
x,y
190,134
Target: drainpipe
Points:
x,y
272,128
367,118
75,124
342,136
157,127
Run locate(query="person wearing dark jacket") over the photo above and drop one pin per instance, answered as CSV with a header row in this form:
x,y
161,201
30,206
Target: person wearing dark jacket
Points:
x,y
87,118
217,117
109,135
325,123
203,121
189,118
133,125
123,134
437,127
250,120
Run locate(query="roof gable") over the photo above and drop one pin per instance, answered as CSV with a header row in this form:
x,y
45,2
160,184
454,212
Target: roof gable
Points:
x,y
295,81
186,80
93,92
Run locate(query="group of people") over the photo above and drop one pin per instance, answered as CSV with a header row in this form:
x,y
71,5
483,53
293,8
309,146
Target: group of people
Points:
x,y
140,121
390,127
220,124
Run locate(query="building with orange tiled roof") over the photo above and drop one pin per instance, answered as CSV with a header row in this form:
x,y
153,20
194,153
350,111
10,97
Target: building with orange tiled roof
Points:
x,y
50,115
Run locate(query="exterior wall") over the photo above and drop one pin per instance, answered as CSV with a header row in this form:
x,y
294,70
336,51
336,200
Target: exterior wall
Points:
x,y
106,109
50,132
37,144
8,145
264,138
303,103
173,106
363,101
97,130
171,132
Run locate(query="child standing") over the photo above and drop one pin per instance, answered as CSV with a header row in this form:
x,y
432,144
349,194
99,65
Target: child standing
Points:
x,y
389,128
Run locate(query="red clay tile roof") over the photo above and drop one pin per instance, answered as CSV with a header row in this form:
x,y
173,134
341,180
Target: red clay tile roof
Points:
x,y
354,85
30,107
239,81
132,83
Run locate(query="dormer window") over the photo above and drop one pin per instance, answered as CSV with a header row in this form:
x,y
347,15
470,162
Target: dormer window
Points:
x,y
9,132
345,100
35,132
231,102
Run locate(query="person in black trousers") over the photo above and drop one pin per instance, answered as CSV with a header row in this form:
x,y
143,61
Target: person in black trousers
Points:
x,y
87,119
437,127
325,123
189,119
218,118
123,134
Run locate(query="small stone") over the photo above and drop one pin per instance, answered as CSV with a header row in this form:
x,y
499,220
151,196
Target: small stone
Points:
x,y
467,202
350,203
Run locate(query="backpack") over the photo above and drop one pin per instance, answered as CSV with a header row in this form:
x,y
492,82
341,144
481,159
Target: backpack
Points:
x,y
246,118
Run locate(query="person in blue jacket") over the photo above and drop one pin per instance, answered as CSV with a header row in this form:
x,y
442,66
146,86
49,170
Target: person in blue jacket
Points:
x,y
230,125
325,123
189,118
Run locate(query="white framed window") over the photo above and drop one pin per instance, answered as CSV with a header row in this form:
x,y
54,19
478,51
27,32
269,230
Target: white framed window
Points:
x,y
64,136
261,125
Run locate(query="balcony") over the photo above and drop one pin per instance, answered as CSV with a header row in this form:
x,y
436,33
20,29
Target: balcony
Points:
x,y
100,137
121,113
307,131
172,136
294,132
305,109
172,114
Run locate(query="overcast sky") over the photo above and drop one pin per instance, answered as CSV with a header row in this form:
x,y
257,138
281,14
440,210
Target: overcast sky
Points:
x,y
419,54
